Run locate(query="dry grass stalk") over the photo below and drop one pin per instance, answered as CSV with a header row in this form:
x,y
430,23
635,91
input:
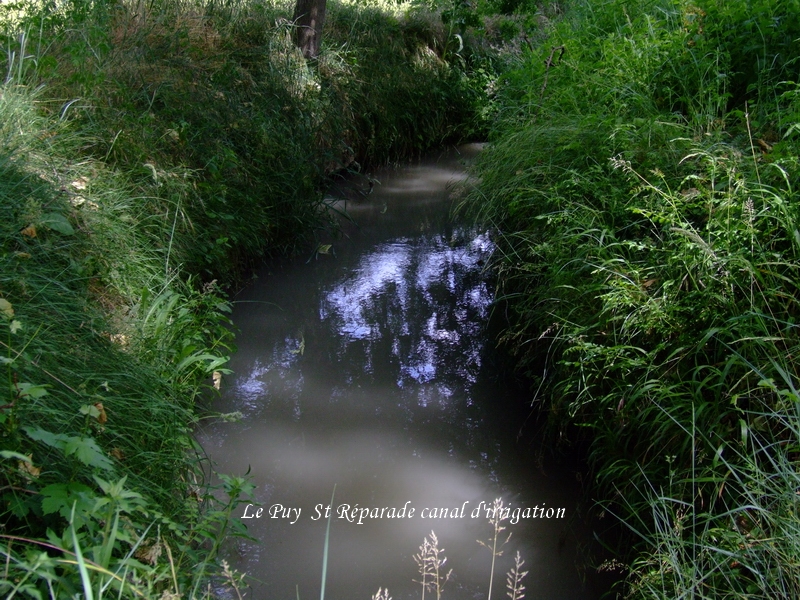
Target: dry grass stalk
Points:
x,y
496,517
382,594
430,565
516,591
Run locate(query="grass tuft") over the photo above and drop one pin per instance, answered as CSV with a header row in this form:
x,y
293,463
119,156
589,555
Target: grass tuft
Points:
x,y
648,264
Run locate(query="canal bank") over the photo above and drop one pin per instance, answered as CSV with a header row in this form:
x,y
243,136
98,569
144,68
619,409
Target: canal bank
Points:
x,y
149,157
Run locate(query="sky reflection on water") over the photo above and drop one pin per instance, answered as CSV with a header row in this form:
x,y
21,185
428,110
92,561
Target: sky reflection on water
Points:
x,y
366,369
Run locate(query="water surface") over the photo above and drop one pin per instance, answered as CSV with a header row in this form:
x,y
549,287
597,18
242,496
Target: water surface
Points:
x,y
366,367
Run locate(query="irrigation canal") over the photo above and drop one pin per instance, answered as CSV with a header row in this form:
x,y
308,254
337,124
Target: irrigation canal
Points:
x,y
367,367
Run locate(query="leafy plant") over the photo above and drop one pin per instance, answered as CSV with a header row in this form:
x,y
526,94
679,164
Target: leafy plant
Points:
x,y
648,263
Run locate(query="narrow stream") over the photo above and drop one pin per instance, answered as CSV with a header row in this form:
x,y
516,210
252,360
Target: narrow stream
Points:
x,y
366,368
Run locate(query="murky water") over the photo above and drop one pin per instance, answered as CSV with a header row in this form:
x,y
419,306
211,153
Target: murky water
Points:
x,y
366,368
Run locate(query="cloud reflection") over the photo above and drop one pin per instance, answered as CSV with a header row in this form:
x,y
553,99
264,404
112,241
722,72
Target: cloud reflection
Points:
x,y
424,299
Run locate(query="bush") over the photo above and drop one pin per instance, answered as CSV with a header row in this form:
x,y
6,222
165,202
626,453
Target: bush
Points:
x,y
649,260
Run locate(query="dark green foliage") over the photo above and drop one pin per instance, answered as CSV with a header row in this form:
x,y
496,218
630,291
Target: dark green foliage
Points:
x,y
643,185
96,422
214,105
149,150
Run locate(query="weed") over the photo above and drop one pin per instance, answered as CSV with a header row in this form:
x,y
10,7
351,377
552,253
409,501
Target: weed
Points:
x,y
496,516
382,594
430,561
514,577
430,566
648,261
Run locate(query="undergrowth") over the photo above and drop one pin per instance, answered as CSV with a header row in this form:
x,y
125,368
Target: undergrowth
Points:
x,y
99,467
643,180
150,153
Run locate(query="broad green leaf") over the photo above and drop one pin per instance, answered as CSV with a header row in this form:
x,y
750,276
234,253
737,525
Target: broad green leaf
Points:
x,y
85,450
54,440
32,390
17,504
57,222
111,488
90,409
88,452
124,499
59,497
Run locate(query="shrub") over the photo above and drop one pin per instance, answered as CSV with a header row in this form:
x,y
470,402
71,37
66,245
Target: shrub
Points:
x,y
648,264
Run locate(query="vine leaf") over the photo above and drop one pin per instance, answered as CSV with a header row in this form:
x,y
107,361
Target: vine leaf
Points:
x,y
85,450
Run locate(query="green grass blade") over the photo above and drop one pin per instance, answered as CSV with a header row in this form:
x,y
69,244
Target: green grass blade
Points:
x,y
87,585
325,551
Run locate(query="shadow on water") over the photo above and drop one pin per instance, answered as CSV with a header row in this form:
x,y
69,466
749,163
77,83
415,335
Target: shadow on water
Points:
x,y
366,367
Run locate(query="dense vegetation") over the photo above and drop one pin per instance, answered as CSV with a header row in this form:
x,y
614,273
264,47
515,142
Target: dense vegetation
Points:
x,y
643,177
149,153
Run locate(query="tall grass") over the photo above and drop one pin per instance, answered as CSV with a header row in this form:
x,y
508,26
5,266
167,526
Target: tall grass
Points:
x,y
649,264
96,421
431,560
150,153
